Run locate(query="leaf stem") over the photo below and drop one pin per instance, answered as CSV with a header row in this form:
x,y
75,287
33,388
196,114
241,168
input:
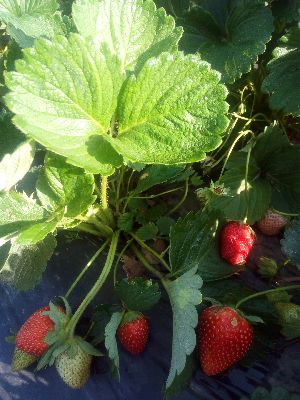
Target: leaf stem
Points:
x,y
85,269
182,199
246,181
119,258
104,201
97,286
86,228
148,248
151,269
252,296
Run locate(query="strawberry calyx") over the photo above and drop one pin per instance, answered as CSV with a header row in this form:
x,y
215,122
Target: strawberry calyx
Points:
x,y
130,316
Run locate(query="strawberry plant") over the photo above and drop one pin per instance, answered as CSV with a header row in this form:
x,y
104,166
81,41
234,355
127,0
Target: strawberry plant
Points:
x,y
168,132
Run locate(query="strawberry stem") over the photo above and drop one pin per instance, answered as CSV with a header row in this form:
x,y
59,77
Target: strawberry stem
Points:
x,y
252,296
84,270
97,286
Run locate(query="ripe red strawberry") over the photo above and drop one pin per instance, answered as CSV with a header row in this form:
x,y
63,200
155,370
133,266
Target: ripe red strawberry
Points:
x,y
224,337
272,223
32,333
236,241
133,334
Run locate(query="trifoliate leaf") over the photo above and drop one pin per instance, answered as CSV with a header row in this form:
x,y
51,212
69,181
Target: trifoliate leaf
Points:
x,y
184,295
172,93
27,20
191,240
155,175
111,342
284,71
25,265
18,212
147,231
290,243
138,294
134,30
228,34
14,166
63,186
66,102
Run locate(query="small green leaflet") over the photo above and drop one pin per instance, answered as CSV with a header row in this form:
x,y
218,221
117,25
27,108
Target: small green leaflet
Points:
x,y
184,295
138,294
30,19
134,30
157,174
24,265
171,93
111,342
52,75
147,231
63,186
14,166
284,71
228,34
290,243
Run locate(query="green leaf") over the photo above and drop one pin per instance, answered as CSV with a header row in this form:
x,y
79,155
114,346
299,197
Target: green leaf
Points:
x,y
25,265
30,19
100,319
290,243
165,225
286,10
125,221
63,186
191,239
228,34
39,230
66,102
138,294
276,393
18,212
172,93
10,136
14,166
236,203
212,266
134,30
147,232
279,163
182,380
184,295
284,71
157,174
111,342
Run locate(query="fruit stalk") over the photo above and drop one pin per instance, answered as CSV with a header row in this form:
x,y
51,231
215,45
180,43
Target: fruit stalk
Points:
x,y
252,296
97,286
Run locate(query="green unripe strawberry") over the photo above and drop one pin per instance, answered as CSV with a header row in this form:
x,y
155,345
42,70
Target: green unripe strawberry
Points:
x,y
73,366
21,360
